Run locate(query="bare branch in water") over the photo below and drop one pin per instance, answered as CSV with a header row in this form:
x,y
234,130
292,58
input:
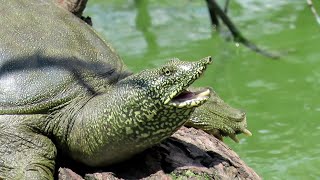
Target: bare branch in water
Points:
x,y
214,8
213,16
226,6
314,11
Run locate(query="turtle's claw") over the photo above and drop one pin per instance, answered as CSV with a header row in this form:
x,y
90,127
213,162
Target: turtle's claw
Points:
x,y
219,119
234,138
247,132
218,136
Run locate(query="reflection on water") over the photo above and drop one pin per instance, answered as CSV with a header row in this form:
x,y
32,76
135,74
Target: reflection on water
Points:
x,y
143,24
280,97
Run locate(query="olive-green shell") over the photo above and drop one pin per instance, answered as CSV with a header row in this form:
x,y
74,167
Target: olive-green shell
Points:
x,y
48,56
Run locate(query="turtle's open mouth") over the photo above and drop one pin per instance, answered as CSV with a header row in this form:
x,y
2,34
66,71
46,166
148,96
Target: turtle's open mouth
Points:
x,y
179,95
190,99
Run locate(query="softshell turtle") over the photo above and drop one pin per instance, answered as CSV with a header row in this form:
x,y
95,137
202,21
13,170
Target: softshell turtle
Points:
x,y
64,89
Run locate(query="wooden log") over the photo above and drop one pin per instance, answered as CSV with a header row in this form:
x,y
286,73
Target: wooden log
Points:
x,y
189,154
76,7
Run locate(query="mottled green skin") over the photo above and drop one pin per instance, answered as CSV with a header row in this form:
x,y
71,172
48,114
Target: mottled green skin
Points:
x,y
129,118
62,88
99,129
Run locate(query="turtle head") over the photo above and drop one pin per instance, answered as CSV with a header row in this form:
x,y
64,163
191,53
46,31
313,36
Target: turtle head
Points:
x,y
168,84
143,109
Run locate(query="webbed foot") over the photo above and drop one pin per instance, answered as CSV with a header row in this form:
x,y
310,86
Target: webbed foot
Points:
x,y
219,119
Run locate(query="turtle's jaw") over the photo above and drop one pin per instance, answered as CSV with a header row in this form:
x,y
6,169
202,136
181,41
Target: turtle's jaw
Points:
x,y
189,99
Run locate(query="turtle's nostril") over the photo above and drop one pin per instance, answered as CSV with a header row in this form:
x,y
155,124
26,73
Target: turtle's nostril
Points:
x,y
206,60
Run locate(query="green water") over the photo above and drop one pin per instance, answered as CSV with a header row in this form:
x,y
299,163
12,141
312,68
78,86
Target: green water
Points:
x,y
281,97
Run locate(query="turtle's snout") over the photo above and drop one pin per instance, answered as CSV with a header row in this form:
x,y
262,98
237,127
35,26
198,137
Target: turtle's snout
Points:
x,y
200,66
205,61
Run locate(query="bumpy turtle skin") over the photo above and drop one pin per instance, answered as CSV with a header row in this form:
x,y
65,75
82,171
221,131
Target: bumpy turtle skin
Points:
x,y
100,129
131,117
218,118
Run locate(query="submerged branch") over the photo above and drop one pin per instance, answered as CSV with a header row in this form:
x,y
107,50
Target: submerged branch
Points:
x,y
214,8
226,6
314,11
213,16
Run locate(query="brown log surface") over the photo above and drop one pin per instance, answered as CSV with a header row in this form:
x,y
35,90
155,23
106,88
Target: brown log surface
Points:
x,y
188,154
75,6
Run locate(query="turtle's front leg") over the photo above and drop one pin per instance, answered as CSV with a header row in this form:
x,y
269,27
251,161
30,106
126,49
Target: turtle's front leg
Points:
x,y
219,119
24,154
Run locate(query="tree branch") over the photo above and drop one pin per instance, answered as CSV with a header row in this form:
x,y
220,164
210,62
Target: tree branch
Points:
x,y
314,11
214,8
76,7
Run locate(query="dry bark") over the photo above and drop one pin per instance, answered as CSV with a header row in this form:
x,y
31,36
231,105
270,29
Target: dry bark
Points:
x,y
188,154
76,7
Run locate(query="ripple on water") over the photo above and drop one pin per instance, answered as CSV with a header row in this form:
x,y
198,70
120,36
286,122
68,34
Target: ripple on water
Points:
x,y
262,84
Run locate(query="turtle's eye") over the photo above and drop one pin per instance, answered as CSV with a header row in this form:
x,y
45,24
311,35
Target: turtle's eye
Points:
x,y
167,71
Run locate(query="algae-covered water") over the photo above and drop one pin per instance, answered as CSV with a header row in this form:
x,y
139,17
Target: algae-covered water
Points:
x,y
281,97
